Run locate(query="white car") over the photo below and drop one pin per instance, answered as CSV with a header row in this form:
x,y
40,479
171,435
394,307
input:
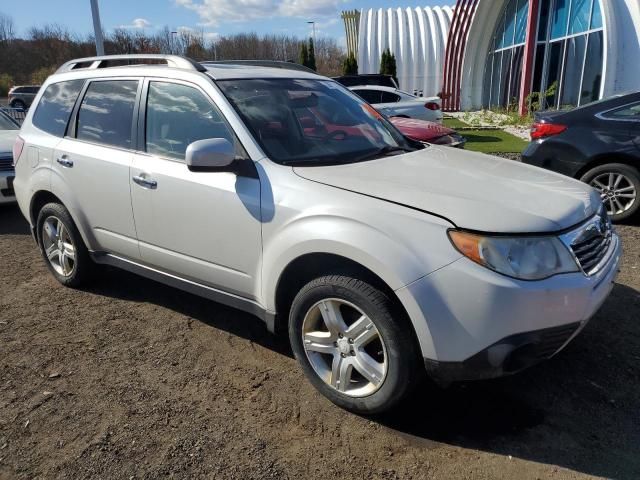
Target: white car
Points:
x,y
282,193
8,134
396,103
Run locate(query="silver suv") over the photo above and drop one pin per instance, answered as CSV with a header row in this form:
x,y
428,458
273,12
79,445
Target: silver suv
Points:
x,y
282,193
22,97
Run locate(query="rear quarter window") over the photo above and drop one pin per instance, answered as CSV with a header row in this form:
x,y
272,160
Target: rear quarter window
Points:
x,y
54,109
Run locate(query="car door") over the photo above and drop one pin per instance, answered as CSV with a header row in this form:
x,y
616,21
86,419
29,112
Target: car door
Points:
x,y
93,162
202,226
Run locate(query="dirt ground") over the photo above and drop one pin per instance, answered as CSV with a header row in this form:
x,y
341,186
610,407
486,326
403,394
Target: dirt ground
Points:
x,y
131,379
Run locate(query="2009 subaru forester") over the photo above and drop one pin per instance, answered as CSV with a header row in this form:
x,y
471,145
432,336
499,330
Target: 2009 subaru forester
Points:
x,y
281,193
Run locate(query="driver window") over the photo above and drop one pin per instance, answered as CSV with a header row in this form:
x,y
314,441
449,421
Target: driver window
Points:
x,y
178,115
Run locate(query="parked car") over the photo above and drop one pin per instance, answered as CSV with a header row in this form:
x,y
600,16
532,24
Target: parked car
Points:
x,y
396,103
428,132
8,134
599,144
380,256
367,79
22,96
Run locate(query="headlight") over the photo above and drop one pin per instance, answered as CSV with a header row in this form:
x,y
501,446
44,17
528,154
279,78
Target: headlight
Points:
x,y
526,258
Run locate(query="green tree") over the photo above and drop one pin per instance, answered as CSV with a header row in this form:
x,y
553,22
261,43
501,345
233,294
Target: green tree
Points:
x,y
303,59
312,55
40,75
350,65
388,64
6,82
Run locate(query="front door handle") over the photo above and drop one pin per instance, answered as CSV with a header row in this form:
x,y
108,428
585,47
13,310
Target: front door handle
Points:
x,y
64,161
145,182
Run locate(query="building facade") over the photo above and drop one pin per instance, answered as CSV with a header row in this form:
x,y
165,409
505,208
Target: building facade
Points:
x,y
509,53
416,36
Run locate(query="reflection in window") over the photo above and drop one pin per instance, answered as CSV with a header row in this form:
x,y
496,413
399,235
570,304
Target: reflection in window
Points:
x,y
106,113
178,115
54,108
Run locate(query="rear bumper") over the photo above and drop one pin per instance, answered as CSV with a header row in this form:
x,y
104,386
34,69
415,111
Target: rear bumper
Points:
x,y
7,194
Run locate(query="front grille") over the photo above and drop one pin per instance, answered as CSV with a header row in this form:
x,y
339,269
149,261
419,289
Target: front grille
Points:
x,y
591,242
6,164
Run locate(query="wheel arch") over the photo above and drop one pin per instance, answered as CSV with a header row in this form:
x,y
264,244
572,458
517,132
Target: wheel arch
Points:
x,y
604,159
38,200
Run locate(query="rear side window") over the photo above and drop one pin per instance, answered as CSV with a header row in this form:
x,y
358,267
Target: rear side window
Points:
x,y
371,96
106,113
178,115
388,97
54,109
32,90
630,112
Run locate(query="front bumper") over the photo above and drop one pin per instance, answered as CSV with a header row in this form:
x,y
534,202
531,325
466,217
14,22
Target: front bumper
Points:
x,y
473,323
7,194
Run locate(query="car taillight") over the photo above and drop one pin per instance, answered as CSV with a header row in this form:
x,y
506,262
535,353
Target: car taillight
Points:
x,y
432,106
18,145
541,130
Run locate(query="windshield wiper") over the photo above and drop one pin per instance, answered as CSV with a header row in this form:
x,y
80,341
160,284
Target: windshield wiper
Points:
x,y
381,152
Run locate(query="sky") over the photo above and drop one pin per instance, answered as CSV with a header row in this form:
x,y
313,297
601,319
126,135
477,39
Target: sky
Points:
x,y
213,17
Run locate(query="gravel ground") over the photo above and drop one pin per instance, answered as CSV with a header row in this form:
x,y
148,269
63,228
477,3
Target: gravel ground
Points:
x,y
132,379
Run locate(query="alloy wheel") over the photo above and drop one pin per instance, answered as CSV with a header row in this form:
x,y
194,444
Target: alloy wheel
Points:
x,y
617,191
58,246
344,347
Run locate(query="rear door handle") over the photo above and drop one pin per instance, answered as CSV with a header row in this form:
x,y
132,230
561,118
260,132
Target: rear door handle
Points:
x,y
64,161
145,182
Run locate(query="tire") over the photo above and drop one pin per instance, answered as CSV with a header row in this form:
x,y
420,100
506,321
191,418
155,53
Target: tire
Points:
x,y
69,261
372,330
604,177
18,104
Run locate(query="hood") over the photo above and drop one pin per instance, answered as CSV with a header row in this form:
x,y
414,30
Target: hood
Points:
x,y
7,139
420,130
472,190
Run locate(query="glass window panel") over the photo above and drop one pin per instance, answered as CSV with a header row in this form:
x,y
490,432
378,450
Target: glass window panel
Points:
x,y
592,69
555,52
53,111
106,113
559,19
178,115
596,16
504,77
537,69
630,112
500,32
579,21
486,86
573,63
543,21
516,76
510,23
521,21
495,85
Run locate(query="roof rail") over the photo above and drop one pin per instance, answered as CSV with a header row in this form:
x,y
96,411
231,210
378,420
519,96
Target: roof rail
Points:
x,y
261,63
174,61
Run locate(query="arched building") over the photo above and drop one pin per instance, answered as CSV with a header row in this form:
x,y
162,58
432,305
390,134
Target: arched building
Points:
x,y
497,52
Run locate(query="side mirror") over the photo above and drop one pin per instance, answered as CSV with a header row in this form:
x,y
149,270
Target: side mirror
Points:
x,y
210,155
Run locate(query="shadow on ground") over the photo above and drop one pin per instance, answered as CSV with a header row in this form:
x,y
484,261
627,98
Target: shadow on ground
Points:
x,y
11,221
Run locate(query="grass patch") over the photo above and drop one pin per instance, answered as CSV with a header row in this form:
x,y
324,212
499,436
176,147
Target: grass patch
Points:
x,y
454,123
493,141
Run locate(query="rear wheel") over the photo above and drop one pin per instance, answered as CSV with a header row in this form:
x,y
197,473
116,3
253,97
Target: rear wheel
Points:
x,y
353,344
619,187
62,247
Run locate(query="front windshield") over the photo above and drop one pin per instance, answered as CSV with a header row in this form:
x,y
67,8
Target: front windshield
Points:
x,y
301,121
6,123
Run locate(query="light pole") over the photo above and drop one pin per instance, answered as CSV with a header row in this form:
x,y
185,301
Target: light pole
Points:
x,y
173,41
314,33
97,27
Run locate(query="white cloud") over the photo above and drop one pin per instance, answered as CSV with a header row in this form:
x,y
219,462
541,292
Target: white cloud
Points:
x,y
214,12
137,23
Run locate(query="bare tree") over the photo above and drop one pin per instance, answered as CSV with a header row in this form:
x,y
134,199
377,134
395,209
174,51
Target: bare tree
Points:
x,y
7,28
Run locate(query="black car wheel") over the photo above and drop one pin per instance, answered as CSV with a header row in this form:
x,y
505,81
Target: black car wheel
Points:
x,y
619,186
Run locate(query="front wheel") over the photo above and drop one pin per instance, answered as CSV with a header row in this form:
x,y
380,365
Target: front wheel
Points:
x,y
619,187
353,344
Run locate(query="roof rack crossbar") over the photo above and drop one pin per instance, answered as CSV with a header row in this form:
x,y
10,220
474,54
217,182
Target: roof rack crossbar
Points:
x,y
174,61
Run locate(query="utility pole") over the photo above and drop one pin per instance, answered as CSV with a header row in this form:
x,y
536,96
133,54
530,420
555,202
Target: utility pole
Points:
x,y
314,33
97,28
